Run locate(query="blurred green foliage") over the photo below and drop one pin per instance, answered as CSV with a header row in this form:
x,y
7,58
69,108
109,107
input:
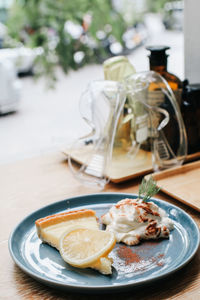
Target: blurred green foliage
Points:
x,y
42,23
156,5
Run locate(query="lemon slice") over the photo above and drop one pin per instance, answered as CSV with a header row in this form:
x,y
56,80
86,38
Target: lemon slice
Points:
x,y
84,247
117,68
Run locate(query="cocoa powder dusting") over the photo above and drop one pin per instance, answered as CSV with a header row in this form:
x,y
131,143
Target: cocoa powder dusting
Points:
x,y
139,258
127,255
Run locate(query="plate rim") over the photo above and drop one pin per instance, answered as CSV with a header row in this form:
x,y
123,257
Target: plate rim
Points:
x,y
95,288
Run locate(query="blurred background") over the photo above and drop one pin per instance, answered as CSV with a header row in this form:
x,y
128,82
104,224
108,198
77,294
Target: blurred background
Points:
x,y
49,52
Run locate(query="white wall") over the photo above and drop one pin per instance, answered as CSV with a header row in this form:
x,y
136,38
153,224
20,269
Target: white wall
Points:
x,y
192,40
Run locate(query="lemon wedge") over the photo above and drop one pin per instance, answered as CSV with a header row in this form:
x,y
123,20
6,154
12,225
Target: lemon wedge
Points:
x,y
117,68
83,247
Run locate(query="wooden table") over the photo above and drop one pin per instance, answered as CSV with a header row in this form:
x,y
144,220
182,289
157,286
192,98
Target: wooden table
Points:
x,y
32,183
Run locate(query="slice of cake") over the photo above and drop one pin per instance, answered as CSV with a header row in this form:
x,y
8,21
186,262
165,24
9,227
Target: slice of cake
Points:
x,y
51,228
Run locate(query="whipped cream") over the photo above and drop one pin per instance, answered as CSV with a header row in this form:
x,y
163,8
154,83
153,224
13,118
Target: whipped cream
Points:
x,y
133,220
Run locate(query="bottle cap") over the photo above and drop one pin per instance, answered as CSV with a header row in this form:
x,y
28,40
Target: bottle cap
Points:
x,y
158,55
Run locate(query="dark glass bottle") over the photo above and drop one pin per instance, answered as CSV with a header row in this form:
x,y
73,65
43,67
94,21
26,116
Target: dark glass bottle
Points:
x,y
158,63
190,110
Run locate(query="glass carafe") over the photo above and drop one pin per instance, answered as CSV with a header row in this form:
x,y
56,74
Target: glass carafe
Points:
x,y
157,130
157,122
100,106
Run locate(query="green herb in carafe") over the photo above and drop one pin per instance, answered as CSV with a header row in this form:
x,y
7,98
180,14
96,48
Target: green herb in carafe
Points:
x,y
132,125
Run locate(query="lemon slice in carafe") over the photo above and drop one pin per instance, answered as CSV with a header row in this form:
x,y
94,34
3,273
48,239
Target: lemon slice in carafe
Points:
x,y
117,68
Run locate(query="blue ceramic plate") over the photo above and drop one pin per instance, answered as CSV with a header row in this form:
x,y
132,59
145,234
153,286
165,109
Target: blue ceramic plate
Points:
x,y
150,261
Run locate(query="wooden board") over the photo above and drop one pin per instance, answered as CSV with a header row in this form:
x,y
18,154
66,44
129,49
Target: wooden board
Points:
x,y
181,183
192,157
122,167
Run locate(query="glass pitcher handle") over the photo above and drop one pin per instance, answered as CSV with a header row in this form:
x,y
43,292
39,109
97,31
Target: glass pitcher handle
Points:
x,y
151,89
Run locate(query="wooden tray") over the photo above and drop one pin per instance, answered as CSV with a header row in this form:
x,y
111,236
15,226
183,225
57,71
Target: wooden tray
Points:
x,y
181,183
122,167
